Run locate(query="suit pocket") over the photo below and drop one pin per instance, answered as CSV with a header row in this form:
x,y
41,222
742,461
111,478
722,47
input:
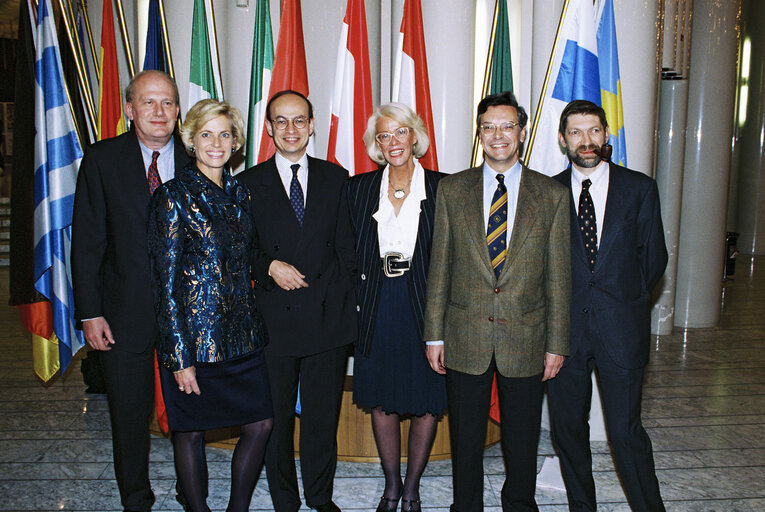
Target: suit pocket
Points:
x,y
534,316
456,305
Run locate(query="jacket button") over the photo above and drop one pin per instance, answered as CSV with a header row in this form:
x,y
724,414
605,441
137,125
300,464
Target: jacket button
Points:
x,y
496,290
276,248
591,283
491,319
358,308
363,277
585,310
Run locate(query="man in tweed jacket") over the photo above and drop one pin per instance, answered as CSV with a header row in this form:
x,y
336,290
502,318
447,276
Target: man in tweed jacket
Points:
x,y
515,323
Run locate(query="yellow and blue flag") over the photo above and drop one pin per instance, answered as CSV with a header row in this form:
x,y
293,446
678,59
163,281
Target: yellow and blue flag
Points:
x,y
610,84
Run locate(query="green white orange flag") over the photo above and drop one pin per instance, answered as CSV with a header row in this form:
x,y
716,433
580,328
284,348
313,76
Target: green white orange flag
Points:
x,y
260,81
204,70
111,121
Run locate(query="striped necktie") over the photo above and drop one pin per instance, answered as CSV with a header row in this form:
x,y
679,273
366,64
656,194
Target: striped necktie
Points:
x,y
153,175
496,234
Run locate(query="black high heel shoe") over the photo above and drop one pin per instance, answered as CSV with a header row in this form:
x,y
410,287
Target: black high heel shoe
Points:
x,y
411,505
388,504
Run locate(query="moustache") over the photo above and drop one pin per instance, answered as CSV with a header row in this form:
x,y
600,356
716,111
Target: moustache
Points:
x,y
603,152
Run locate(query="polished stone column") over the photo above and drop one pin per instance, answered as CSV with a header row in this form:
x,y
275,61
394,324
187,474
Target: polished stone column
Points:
x,y
669,178
751,185
707,163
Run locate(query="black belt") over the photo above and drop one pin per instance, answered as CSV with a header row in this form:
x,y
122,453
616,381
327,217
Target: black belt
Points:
x,y
394,264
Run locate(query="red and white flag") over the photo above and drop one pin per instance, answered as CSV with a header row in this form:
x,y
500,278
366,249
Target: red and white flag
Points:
x,y
290,70
351,103
410,79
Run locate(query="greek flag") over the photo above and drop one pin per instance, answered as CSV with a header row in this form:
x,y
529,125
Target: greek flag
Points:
x,y
57,159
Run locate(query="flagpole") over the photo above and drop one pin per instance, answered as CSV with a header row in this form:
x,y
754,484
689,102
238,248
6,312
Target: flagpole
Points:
x,y
84,7
527,156
487,74
166,39
79,49
125,38
80,75
215,42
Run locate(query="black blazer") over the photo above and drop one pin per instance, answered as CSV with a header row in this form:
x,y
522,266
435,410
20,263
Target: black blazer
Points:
x,y
364,201
322,316
110,253
615,298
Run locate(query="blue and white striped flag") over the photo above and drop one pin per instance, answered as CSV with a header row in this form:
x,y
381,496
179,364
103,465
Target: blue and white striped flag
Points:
x,y
57,159
575,76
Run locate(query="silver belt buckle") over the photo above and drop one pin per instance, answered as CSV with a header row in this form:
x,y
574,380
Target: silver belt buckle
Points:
x,y
394,257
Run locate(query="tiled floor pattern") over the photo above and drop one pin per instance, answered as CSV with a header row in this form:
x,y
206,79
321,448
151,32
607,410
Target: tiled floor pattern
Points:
x,y
704,407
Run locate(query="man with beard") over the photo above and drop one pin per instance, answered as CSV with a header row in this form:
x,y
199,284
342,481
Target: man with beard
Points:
x,y
617,256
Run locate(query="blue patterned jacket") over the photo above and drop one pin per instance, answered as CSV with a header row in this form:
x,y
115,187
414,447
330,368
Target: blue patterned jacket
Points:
x,y
199,241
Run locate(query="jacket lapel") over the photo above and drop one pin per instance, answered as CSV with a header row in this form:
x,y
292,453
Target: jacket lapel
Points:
x,y
473,212
614,206
525,213
577,245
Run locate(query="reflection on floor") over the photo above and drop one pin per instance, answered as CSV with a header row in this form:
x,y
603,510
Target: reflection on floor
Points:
x,y
704,407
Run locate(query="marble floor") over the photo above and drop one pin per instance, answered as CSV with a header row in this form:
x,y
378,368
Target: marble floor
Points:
x,y
704,408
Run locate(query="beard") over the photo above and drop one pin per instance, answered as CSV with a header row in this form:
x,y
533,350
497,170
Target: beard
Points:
x,y
587,163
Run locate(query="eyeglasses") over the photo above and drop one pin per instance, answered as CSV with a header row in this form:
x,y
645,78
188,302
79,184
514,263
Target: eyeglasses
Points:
x,y
281,123
400,133
490,128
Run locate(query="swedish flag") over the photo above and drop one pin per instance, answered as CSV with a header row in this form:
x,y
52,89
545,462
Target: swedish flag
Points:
x,y
610,84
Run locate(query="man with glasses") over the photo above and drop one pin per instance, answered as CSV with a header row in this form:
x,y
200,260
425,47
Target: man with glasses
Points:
x,y
498,296
303,261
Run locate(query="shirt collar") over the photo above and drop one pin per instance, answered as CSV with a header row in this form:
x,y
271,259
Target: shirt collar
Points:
x,y
147,151
596,177
490,175
285,165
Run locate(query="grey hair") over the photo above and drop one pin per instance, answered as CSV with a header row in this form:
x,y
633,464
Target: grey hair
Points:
x,y
406,117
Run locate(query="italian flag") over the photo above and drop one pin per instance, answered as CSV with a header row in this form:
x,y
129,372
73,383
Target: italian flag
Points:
x,y
204,71
260,81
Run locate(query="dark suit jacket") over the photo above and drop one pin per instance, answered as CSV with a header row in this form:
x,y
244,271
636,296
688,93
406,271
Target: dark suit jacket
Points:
x,y
110,253
323,315
616,297
523,313
364,201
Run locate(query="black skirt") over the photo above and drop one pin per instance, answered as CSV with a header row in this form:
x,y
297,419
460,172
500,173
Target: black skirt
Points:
x,y
232,392
397,376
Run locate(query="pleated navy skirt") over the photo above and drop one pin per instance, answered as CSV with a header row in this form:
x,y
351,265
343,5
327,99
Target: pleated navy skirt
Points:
x,y
232,392
397,376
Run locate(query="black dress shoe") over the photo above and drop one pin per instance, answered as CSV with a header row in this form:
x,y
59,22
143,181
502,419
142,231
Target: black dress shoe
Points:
x,y
411,505
327,507
388,504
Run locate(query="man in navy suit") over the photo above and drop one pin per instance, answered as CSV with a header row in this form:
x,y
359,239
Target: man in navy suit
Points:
x,y
303,262
617,256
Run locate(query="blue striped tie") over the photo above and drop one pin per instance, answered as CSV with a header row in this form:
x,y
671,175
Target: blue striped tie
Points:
x,y
496,234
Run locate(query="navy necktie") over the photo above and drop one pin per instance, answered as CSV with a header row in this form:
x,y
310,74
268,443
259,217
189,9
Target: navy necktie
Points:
x,y
587,225
496,233
296,194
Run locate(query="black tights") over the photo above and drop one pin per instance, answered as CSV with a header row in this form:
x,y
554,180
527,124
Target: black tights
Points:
x,y
387,430
191,465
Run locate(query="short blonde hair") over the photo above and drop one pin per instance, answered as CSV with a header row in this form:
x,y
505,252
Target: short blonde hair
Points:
x,y
206,110
406,117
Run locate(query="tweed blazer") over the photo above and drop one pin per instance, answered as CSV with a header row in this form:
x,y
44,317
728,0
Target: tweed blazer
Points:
x,y
363,202
524,312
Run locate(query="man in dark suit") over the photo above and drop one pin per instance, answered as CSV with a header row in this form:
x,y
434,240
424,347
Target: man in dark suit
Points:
x,y
110,267
303,264
617,256
498,300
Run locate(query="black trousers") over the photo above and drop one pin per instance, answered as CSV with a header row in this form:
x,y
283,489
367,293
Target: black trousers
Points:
x,y
569,395
520,414
130,393
320,377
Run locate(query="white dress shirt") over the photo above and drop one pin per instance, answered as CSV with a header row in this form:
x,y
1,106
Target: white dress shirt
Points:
x,y
398,233
165,161
598,191
284,167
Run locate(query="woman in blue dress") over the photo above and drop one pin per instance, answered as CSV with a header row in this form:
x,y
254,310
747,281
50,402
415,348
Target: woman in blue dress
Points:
x,y
392,213
212,335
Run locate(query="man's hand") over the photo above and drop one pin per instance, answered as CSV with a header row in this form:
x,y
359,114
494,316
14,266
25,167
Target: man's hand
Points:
x,y
187,380
553,364
97,333
435,355
286,276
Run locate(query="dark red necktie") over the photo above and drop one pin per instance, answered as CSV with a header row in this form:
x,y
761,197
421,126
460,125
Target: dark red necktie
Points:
x,y
153,175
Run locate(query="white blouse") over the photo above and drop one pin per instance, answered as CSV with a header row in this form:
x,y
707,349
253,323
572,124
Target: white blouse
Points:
x,y
399,233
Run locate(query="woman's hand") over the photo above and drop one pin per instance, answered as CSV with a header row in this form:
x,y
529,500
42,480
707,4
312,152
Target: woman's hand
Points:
x,y
187,380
